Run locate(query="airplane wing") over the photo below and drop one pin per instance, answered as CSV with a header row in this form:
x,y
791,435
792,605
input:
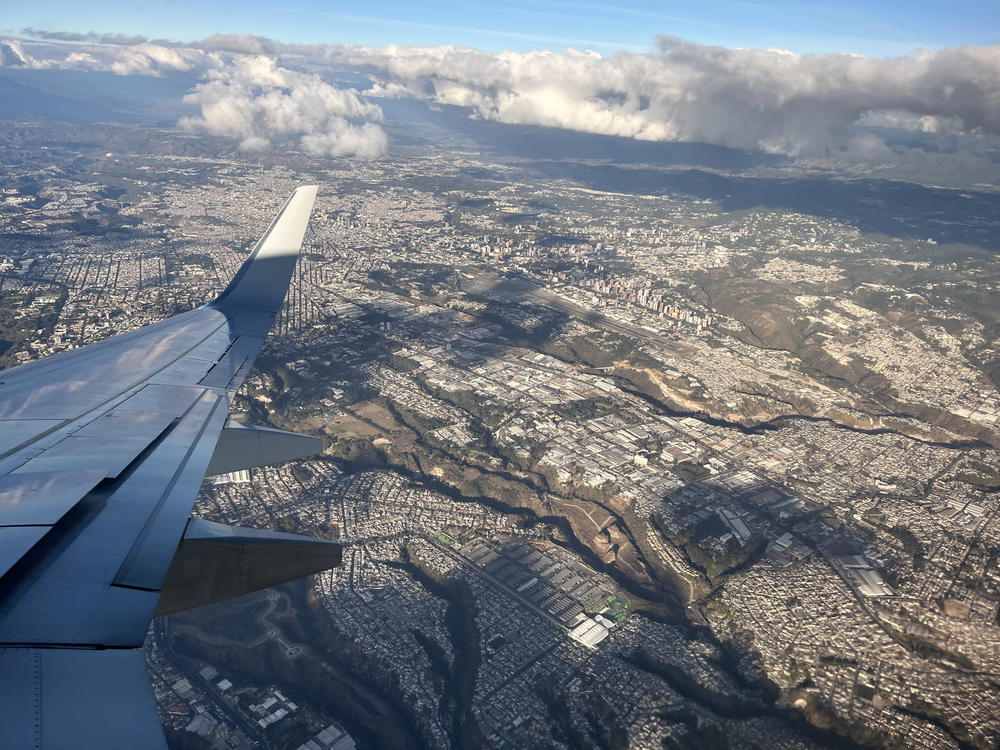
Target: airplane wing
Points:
x,y
102,451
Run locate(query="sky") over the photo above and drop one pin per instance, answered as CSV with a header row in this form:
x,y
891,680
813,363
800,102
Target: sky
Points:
x,y
878,28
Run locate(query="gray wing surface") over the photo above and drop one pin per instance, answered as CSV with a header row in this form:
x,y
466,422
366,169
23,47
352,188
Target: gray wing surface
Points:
x,y
102,451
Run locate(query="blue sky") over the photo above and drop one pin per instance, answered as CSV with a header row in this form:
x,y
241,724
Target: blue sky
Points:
x,y
872,27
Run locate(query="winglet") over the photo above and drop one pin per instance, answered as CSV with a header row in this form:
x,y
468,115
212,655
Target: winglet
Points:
x,y
263,279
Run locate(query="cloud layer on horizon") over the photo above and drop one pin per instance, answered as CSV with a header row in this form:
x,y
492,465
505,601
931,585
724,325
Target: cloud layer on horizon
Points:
x,y
240,90
140,58
770,100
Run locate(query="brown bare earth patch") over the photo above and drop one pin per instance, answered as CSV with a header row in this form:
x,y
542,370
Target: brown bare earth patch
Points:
x,y
348,426
601,531
955,608
369,411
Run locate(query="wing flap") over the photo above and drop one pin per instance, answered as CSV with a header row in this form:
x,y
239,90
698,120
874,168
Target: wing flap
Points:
x,y
125,533
14,433
242,349
40,498
50,483
15,542
109,443
148,560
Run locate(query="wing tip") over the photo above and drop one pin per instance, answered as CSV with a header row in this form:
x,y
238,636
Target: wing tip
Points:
x,y
255,287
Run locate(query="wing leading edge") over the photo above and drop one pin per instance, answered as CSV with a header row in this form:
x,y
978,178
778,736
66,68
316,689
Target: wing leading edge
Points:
x,y
102,451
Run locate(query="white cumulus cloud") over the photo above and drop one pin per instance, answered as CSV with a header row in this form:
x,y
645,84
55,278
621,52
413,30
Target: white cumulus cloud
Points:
x,y
254,99
772,100
238,87
12,54
153,60
140,59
